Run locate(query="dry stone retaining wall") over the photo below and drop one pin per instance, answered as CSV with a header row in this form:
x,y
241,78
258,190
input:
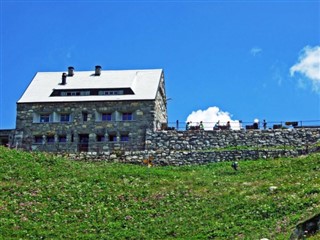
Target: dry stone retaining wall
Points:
x,y
204,140
201,147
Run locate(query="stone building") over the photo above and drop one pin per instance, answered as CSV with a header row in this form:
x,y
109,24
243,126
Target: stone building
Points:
x,y
90,110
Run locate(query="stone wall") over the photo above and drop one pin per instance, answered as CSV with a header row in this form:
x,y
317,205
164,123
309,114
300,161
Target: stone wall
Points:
x,y
202,147
179,158
28,128
210,140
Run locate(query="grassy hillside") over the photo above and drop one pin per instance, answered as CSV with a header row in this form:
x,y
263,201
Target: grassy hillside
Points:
x,y
42,196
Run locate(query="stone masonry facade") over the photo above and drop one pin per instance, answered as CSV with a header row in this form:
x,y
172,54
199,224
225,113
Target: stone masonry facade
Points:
x,y
89,126
89,111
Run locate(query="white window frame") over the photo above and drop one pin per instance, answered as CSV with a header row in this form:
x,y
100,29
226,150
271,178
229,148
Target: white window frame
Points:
x,y
39,117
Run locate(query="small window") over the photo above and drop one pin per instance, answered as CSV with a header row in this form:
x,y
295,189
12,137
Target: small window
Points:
x,y
127,116
84,116
106,116
38,139
65,118
73,93
111,92
112,138
100,138
50,139
85,93
124,138
44,118
62,138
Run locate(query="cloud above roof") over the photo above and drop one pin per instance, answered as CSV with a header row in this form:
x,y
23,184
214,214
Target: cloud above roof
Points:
x,y
210,116
308,66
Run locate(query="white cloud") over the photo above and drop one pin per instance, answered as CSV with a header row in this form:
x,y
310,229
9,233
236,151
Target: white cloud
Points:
x,y
210,116
255,51
308,66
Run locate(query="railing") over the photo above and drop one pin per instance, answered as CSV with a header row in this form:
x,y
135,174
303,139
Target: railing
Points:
x,y
238,124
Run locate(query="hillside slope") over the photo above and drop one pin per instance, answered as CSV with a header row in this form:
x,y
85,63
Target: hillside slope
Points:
x,y
43,196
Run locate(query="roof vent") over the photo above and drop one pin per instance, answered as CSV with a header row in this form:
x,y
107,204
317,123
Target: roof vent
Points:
x,y
97,71
64,79
70,71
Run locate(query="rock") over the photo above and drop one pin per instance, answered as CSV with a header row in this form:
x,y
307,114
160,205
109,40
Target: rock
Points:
x,y
273,188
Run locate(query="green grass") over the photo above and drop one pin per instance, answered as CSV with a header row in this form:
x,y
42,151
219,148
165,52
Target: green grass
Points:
x,y
43,196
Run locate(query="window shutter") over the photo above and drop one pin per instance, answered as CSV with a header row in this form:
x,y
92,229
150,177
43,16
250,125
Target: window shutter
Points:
x,y
98,116
36,117
55,117
118,116
70,117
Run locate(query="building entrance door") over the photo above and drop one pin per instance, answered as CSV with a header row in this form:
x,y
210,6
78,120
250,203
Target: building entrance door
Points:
x,y
83,143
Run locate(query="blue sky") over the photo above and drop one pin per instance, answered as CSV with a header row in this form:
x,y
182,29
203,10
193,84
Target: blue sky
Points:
x,y
242,59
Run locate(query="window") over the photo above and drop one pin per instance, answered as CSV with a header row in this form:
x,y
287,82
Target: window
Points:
x,y
100,138
91,92
127,116
44,118
65,118
74,93
106,116
112,138
62,138
124,138
85,93
84,116
111,92
50,139
38,139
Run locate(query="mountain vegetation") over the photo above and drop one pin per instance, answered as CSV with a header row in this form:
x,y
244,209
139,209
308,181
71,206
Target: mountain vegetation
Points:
x,y
43,196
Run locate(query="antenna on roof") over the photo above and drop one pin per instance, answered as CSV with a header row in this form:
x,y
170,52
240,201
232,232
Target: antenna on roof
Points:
x,y
97,71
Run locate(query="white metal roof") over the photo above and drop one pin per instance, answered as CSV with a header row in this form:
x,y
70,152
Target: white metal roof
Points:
x,y
144,84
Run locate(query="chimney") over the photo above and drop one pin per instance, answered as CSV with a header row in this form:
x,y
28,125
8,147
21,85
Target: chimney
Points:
x,y
70,71
97,71
64,79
